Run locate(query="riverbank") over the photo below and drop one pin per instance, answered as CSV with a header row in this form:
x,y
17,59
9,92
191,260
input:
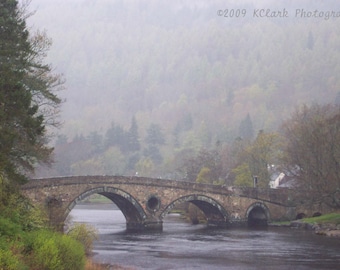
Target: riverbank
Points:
x,y
90,265
326,225
326,229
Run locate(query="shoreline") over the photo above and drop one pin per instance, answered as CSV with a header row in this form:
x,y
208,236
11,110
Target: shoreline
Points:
x,y
91,265
324,229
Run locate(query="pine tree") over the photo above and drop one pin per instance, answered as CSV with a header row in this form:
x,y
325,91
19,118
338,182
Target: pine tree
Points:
x,y
116,136
133,137
155,135
246,130
27,100
154,139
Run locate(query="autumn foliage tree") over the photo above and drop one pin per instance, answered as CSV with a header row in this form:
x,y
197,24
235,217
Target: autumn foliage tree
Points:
x,y
312,153
261,155
28,103
255,159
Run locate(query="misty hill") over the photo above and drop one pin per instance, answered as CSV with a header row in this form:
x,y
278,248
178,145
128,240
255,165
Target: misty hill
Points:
x,y
177,62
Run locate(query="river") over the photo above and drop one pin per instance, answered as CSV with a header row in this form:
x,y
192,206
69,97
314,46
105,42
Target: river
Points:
x,y
185,246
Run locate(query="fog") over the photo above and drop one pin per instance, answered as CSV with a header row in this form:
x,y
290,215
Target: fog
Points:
x,y
198,68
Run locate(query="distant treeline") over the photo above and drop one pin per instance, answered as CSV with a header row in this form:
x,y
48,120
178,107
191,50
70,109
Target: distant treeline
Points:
x,y
178,65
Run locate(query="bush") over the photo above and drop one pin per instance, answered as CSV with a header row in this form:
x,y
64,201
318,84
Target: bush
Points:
x,y
72,253
8,260
54,251
9,228
20,211
84,234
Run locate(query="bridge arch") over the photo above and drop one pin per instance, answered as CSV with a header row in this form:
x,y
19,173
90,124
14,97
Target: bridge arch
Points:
x,y
258,214
131,209
214,212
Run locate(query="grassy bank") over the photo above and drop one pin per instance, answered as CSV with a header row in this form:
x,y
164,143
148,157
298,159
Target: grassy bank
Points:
x,y
328,225
333,218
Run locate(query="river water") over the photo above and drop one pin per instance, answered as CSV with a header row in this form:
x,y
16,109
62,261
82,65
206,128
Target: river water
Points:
x,y
185,246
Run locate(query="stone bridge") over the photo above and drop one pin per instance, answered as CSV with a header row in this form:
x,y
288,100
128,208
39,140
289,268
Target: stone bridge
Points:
x,y
146,201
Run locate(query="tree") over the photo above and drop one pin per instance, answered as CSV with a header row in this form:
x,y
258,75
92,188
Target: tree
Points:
x,y
261,154
96,142
243,176
28,103
255,158
114,161
116,136
133,137
154,139
152,151
312,153
196,166
205,176
154,135
246,130
144,167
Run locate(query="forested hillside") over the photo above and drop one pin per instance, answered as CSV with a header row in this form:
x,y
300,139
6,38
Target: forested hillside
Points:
x,y
173,77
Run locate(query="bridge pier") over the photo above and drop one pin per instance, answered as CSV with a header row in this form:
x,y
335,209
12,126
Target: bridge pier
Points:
x,y
218,223
155,226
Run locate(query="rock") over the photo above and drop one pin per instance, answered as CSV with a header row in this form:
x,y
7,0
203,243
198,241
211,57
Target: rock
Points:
x,y
320,232
301,225
327,229
333,233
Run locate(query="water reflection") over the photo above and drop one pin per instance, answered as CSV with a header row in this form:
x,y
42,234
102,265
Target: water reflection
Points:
x,y
184,246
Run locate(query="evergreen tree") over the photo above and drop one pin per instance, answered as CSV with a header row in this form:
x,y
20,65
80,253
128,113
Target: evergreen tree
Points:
x,y
154,139
152,151
133,137
96,141
246,130
27,99
116,136
155,135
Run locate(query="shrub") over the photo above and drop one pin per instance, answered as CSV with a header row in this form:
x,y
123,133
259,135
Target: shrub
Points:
x,y
8,260
54,251
20,211
84,234
9,228
46,254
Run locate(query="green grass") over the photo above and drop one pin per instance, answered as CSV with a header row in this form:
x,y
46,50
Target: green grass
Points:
x,y
333,218
328,218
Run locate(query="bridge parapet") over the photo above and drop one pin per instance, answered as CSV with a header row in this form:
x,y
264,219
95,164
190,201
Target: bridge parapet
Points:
x,y
133,180
277,196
